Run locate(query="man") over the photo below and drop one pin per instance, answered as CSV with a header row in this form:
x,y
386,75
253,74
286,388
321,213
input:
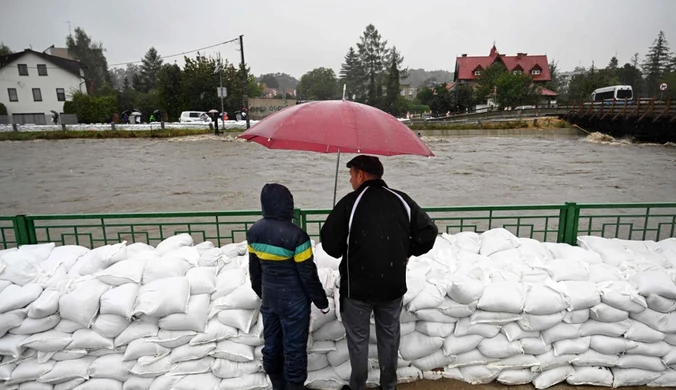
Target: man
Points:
x,y
375,229
284,276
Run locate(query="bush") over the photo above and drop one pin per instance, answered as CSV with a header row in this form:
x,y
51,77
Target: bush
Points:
x,y
69,107
3,109
91,109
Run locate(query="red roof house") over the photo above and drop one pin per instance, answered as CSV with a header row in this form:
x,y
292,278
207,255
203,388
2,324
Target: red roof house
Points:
x,y
467,69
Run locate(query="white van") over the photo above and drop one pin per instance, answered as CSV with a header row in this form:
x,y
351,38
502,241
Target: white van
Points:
x,y
194,116
617,92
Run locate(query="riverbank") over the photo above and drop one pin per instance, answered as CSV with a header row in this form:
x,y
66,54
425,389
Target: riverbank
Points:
x,y
100,134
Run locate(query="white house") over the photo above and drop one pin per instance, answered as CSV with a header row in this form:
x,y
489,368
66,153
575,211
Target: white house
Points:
x,y
33,84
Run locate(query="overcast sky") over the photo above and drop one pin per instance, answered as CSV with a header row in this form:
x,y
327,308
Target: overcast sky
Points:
x,y
295,36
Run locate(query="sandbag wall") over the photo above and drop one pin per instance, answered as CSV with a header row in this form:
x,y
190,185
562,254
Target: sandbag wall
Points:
x,y
479,308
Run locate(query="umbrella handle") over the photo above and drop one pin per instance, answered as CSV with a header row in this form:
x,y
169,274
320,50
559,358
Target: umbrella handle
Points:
x,y
335,184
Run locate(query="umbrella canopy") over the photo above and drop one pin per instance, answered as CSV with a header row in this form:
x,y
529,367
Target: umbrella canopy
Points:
x,y
336,126
213,111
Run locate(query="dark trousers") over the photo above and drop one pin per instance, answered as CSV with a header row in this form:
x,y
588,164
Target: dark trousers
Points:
x,y
286,324
356,315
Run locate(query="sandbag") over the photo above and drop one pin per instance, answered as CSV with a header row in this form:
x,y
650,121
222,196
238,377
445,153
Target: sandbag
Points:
x,y
633,376
516,377
163,297
190,367
88,339
551,360
561,270
663,322
164,267
514,332
471,358
174,338
657,349
45,305
11,319
173,243
593,376
120,300
100,258
464,327
496,240
144,347
561,332
576,316
605,313
110,325
499,347
639,331
112,367
228,281
435,329
136,330
506,297
544,299
198,381
464,290
489,317
226,369
137,383
100,384
649,363
623,296
36,325
29,370
416,345
257,381
195,318
230,350
215,331
612,329
11,345
191,352
592,358
572,347
81,304
123,272
19,268
68,370
479,374
580,294
151,367
202,280
661,304
50,341
458,310
534,322
433,361
611,345
654,282
16,297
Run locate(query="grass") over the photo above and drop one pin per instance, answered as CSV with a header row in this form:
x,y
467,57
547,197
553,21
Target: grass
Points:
x,y
542,123
70,134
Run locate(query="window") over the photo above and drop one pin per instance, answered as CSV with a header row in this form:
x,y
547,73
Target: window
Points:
x,y
23,69
624,94
517,72
477,73
61,94
42,69
13,96
535,72
23,119
37,95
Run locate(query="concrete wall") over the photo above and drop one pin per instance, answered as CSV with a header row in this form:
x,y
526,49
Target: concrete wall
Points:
x,y
260,108
56,78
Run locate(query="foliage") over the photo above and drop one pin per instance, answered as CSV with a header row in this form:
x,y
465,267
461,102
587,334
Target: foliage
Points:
x,y
148,73
392,94
170,81
372,51
656,63
515,90
488,79
4,49
461,98
94,109
424,95
69,107
555,84
92,56
352,75
269,80
3,109
319,84
121,77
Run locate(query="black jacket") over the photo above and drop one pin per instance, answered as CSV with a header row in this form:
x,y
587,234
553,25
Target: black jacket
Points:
x,y
381,239
280,253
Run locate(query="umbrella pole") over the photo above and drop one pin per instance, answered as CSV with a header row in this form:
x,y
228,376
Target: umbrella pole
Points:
x,y
335,184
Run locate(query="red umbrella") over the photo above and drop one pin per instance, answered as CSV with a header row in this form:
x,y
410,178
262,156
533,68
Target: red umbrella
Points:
x,y
336,126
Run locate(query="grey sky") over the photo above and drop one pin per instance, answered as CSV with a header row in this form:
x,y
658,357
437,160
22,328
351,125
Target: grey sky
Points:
x,y
295,36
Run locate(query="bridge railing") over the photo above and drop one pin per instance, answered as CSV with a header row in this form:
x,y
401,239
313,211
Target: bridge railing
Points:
x,y
552,223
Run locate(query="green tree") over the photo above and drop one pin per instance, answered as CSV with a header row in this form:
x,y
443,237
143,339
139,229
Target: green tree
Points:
x,y
118,76
352,75
631,75
93,109
319,84
488,79
461,98
4,49
393,85
372,53
424,95
170,80
269,80
149,71
515,90
555,84
613,64
199,83
92,56
656,64
3,109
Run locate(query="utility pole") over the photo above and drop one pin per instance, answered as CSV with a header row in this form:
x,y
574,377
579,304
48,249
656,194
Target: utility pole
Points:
x,y
245,79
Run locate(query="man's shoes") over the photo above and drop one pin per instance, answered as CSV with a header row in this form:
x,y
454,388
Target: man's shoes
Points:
x,y
346,387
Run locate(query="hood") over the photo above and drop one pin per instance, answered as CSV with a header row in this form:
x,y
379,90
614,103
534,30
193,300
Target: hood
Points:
x,y
276,202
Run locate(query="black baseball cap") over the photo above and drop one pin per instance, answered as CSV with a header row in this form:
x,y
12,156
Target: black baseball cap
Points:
x,y
368,164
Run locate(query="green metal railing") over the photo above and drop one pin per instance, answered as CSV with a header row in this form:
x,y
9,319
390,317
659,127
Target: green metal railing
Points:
x,y
552,223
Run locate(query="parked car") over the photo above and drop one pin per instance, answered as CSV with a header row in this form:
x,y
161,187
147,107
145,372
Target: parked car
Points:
x,y
194,116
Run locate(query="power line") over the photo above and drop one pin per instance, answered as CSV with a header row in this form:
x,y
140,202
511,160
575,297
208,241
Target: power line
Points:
x,y
178,54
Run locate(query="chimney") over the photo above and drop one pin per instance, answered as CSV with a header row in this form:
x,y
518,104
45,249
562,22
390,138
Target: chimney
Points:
x,y
521,55
464,55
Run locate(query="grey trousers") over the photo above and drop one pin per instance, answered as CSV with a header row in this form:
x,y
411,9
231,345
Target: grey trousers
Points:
x,y
356,316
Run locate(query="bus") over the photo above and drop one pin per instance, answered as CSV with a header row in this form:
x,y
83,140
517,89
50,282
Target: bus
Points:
x,y
618,92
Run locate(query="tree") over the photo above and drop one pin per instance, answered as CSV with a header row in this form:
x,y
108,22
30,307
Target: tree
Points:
x,y
92,56
487,80
424,95
319,84
613,64
269,80
631,75
372,53
3,109
393,87
150,68
4,49
169,84
461,98
656,63
119,76
515,89
555,84
352,75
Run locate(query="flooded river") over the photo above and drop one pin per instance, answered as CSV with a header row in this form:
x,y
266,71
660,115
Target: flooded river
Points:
x,y
206,173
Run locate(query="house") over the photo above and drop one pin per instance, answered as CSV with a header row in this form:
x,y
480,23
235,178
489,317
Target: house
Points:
x,y
33,84
407,91
276,93
468,69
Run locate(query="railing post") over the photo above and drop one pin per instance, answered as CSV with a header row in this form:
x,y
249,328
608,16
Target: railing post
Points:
x,y
297,217
22,231
568,232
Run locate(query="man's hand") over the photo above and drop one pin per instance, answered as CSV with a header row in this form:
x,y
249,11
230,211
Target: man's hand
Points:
x,y
326,310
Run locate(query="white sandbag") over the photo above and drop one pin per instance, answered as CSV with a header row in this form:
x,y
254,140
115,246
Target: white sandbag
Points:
x,y
4,283
340,355
81,304
670,358
254,337
322,379
408,374
549,360
516,377
137,383
11,319
191,352
471,358
435,329
605,313
534,322
10,345
6,368
333,331
561,332
151,367
657,349
165,382
30,370
544,299
319,319
592,358
68,370
604,272
174,338
499,347
654,282
120,300
661,304
126,271
100,258
112,367
36,325
202,280
553,376
464,328
212,257
506,297
215,331
163,268
327,277
633,377
464,290
576,316
64,355
663,322
144,347
50,341
227,349
593,376
457,310
433,361
225,369
496,240
205,381
65,255
623,296
67,326
100,384
434,315
416,345
489,317
257,381
69,385
19,268
244,297
110,325
667,379
320,347
228,281
136,330
173,243
611,345
46,304
479,374
566,270
17,297
464,241
572,346
317,361
639,331
612,329
580,294
163,297
514,332
88,339
195,319
192,367
432,296
53,280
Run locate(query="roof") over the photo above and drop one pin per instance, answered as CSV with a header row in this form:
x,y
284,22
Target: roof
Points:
x,y
71,66
465,65
547,92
